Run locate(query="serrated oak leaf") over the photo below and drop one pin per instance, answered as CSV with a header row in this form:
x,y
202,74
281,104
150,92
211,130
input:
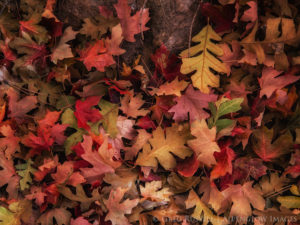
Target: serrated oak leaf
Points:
x,y
84,112
205,143
270,81
192,103
161,147
116,209
203,62
131,25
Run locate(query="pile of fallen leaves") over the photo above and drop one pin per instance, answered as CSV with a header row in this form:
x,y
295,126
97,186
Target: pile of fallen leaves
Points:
x,y
211,134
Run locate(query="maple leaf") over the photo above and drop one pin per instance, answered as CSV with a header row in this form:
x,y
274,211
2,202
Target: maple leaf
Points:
x,y
99,167
117,210
201,211
266,149
18,212
97,56
61,215
205,143
80,196
250,166
270,81
43,141
203,77
131,25
141,139
130,105
63,50
84,113
8,176
19,107
224,161
161,146
9,143
109,114
272,183
173,88
108,154
65,174
192,103
37,194
242,196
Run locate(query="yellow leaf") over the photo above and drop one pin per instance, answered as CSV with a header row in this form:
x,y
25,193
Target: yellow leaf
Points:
x,y
154,191
161,146
280,30
201,211
205,60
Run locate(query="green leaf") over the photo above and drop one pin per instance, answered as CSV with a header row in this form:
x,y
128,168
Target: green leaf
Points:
x,y
109,112
290,202
223,123
72,140
24,170
7,217
69,118
65,101
230,106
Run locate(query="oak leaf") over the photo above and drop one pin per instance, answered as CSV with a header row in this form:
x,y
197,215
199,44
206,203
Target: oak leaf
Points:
x,y
9,143
204,77
61,215
155,191
25,170
161,147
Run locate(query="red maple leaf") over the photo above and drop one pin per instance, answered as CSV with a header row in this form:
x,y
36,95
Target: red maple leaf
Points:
x,y
224,161
96,56
131,25
192,102
85,113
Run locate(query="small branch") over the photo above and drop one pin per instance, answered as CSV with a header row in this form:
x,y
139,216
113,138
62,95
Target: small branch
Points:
x,y
191,27
141,17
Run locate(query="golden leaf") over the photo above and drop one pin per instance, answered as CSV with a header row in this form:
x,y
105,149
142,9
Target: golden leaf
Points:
x,y
205,61
161,146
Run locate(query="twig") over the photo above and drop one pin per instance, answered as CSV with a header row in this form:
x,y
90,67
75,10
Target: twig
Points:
x,y
141,17
191,27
